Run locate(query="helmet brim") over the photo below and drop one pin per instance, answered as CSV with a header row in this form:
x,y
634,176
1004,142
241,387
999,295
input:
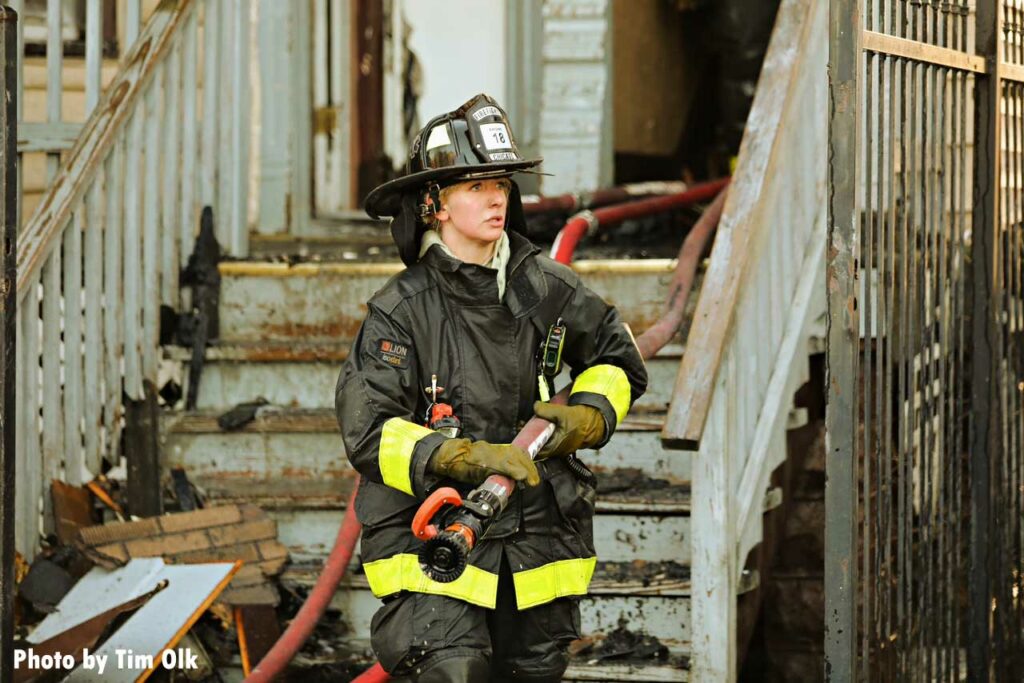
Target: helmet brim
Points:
x,y
385,199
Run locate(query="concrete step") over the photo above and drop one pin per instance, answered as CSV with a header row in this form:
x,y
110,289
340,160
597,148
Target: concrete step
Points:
x,y
265,301
299,454
303,375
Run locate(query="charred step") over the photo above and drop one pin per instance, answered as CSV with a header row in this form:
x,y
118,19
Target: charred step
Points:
x,y
329,490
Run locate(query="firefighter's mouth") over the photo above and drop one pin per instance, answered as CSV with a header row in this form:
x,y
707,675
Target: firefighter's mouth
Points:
x,y
496,220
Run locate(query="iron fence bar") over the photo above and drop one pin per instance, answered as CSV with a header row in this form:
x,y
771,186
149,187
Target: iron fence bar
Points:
x,y
985,290
962,328
885,491
8,320
1009,571
862,470
843,337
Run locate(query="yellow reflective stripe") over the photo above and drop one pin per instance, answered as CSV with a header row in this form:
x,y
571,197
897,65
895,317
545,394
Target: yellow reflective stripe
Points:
x,y
554,580
397,441
609,381
402,573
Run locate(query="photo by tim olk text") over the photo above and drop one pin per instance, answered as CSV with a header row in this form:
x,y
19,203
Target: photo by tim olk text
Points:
x,y
180,658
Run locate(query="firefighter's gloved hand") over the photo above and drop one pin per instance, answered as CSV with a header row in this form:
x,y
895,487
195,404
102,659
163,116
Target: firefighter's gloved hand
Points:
x,y
576,427
473,461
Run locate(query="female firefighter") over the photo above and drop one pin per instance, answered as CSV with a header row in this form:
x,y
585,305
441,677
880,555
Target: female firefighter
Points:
x,y
462,325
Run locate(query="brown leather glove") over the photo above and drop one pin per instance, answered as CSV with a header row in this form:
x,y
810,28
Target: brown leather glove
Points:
x,y
576,427
473,461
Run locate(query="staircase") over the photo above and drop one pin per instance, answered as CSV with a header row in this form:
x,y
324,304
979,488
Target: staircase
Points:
x,y
682,485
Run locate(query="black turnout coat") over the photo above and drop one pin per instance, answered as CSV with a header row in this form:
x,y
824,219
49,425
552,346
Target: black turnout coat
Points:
x,y
443,316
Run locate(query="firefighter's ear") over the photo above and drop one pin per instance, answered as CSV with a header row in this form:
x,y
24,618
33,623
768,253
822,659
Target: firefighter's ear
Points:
x,y
442,214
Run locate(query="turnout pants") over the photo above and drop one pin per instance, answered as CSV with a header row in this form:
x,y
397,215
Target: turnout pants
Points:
x,y
422,638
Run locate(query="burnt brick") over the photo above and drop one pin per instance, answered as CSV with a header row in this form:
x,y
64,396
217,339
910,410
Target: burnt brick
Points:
x,y
200,519
119,531
242,533
245,552
168,544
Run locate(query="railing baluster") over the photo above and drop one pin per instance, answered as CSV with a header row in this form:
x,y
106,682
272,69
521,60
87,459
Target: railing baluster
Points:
x,y
743,361
93,398
73,462
54,76
113,309
30,477
223,209
211,90
238,244
189,140
320,95
151,229
53,423
93,54
132,260
169,187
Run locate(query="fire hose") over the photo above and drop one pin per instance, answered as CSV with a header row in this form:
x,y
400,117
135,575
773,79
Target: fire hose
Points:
x,y
576,201
533,435
586,222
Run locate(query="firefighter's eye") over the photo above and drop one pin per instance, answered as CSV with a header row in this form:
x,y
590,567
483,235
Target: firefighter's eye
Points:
x,y
504,185
474,187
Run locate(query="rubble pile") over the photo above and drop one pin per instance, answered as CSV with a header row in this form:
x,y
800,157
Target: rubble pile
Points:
x,y
208,577
218,534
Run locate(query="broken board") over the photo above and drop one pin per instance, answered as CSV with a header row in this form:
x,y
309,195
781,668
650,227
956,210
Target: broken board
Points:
x,y
135,650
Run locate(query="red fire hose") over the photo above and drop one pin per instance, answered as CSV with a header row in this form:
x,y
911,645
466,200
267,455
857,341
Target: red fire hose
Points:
x,y
294,637
587,221
574,201
292,640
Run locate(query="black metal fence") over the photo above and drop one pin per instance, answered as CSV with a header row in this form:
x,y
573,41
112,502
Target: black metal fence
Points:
x,y
924,535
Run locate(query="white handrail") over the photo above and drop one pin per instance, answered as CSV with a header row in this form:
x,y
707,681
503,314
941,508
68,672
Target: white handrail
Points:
x,y
103,250
747,353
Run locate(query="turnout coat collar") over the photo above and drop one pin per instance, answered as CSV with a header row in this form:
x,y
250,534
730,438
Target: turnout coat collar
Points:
x,y
472,284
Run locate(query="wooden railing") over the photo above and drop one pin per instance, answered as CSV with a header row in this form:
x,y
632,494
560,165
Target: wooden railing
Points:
x,y
103,250
747,349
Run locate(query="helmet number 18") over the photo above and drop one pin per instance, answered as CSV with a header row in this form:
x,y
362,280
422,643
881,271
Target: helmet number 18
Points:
x,y
496,136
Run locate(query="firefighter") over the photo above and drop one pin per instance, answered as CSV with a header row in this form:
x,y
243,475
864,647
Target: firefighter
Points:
x,y
464,325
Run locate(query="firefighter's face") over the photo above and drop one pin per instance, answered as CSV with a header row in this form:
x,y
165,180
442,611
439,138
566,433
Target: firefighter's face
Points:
x,y
476,209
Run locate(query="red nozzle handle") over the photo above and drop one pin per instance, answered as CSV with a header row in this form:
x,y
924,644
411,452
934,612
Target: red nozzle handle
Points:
x,y
421,526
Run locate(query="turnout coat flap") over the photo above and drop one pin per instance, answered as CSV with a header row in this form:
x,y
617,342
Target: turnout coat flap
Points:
x,y
443,316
